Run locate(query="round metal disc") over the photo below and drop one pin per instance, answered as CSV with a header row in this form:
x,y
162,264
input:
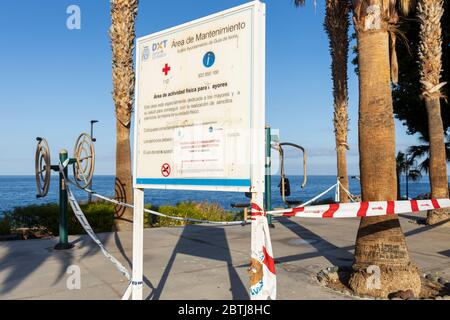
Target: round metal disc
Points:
x,y
83,168
42,167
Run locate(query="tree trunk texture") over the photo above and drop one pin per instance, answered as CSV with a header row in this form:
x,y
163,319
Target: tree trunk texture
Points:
x,y
336,25
429,13
122,33
341,153
380,241
438,160
124,181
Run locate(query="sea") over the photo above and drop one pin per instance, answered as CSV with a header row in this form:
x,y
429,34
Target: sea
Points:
x,y
17,191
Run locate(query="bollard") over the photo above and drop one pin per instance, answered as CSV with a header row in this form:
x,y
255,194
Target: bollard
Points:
x,y
268,182
63,222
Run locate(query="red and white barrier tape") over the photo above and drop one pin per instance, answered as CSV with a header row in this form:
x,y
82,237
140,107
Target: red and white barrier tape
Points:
x,y
263,279
359,209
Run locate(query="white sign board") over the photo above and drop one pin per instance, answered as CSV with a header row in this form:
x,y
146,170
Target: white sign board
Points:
x,y
199,100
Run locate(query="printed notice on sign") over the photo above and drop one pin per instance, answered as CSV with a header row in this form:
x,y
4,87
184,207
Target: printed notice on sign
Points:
x,y
194,104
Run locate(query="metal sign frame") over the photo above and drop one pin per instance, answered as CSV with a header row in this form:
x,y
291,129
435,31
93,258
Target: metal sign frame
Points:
x,y
257,152
256,108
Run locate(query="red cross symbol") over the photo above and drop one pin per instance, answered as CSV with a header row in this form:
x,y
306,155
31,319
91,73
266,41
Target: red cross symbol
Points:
x,y
166,69
165,170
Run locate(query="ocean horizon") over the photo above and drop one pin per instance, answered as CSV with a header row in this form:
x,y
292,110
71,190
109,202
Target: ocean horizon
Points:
x,y
20,190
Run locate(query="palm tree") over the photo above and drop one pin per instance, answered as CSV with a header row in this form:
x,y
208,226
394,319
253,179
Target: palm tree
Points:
x,y
422,151
429,13
406,165
336,25
380,240
123,16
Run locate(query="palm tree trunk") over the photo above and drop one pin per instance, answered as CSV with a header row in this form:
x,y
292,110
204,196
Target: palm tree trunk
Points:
x,y
399,196
430,54
122,33
124,182
336,26
438,160
380,241
407,184
341,152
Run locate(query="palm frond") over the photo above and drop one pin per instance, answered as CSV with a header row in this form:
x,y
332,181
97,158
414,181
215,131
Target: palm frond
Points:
x,y
424,166
414,175
447,151
419,151
299,3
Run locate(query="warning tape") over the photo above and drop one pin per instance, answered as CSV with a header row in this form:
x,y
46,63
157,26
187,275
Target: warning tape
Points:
x,y
351,196
159,214
87,227
359,209
335,210
318,196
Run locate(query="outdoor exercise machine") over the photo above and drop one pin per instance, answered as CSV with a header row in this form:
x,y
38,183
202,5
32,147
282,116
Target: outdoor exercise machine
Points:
x,y
284,185
271,142
83,164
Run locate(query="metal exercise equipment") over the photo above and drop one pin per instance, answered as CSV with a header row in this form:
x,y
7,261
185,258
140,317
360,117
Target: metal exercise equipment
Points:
x,y
284,185
83,171
42,167
83,168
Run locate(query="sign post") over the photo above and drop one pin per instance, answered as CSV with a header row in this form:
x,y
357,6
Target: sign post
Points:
x,y
200,113
138,244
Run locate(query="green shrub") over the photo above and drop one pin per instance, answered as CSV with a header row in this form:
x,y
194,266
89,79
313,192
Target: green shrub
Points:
x,y
5,225
201,211
99,215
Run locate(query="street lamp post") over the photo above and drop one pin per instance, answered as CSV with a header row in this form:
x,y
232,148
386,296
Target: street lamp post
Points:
x,y
93,140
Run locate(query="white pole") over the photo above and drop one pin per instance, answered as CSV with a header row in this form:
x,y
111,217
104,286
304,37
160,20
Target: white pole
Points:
x,y
338,194
138,244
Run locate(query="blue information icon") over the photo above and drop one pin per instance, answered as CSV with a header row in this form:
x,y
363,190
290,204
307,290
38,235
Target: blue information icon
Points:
x,y
208,59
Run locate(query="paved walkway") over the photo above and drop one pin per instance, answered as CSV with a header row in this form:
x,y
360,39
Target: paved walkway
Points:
x,y
203,262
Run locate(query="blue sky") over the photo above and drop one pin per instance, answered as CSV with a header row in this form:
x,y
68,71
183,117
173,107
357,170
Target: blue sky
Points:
x,y
53,80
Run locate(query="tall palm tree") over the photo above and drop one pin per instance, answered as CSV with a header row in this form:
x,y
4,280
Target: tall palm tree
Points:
x,y
429,13
123,16
380,240
336,25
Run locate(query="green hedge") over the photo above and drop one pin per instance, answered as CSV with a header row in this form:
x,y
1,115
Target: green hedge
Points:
x,y
202,211
100,216
5,225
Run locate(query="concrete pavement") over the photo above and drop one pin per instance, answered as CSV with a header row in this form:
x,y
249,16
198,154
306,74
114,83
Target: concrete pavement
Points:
x,y
204,262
